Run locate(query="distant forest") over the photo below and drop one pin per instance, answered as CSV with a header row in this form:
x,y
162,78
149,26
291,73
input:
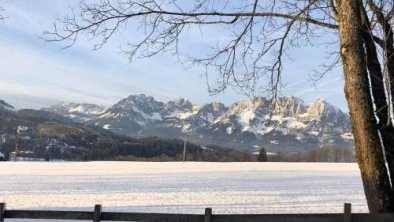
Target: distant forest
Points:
x,y
159,149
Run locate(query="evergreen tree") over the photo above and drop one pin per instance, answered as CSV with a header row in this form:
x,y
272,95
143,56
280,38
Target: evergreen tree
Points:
x,y
262,157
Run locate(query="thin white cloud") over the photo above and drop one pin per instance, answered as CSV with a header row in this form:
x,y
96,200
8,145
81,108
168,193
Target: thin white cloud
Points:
x,y
330,85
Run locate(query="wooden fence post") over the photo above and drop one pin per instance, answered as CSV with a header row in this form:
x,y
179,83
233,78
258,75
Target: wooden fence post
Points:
x,y
347,212
96,214
2,210
208,215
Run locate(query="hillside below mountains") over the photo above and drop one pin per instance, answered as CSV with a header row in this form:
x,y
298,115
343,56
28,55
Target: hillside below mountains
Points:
x,y
248,124
39,134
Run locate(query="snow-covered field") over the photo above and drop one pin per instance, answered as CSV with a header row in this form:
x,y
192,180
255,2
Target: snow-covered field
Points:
x,y
182,187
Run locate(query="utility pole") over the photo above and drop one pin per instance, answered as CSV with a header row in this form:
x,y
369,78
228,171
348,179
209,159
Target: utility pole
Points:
x,y
184,148
16,144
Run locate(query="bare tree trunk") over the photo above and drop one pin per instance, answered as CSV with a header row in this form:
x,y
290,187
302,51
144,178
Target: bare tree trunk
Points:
x,y
376,77
385,124
369,150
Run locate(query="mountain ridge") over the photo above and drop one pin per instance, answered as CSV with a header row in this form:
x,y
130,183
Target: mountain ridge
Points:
x,y
5,106
292,125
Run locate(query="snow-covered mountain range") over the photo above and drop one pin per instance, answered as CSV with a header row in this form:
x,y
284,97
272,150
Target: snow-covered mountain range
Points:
x,y
291,126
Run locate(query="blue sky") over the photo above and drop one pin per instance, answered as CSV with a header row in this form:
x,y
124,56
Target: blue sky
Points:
x,y
34,73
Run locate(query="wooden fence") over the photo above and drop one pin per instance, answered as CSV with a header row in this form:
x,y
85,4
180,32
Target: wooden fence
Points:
x,y
97,215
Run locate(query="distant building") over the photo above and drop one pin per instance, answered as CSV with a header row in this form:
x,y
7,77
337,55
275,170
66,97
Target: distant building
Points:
x,y
22,129
24,132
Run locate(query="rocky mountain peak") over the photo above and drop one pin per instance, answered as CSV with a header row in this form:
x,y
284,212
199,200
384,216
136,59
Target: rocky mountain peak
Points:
x,y
247,111
289,106
256,103
141,102
215,108
322,109
182,101
174,107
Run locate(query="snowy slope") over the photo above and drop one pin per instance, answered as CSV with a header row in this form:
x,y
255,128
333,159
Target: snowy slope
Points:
x,y
79,112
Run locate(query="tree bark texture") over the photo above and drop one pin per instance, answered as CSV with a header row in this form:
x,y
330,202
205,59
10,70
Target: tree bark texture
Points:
x,y
369,150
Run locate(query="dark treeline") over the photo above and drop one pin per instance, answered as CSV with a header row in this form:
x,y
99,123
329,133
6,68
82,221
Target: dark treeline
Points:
x,y
322,154
161,149
95,148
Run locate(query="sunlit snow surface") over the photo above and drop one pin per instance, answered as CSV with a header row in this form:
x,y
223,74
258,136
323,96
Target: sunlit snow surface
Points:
x,y
171,187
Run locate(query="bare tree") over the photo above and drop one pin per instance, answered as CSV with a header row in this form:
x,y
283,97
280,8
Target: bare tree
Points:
x,y
2,15
260,34
254,49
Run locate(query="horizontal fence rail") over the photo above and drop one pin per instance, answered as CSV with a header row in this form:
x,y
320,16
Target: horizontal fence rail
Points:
x,y
97,215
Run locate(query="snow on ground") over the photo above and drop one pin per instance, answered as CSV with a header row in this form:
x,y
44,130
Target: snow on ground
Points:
x,y
175,187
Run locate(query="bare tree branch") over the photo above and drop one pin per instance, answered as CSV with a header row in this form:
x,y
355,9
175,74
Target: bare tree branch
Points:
x,y
260,32
2,16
